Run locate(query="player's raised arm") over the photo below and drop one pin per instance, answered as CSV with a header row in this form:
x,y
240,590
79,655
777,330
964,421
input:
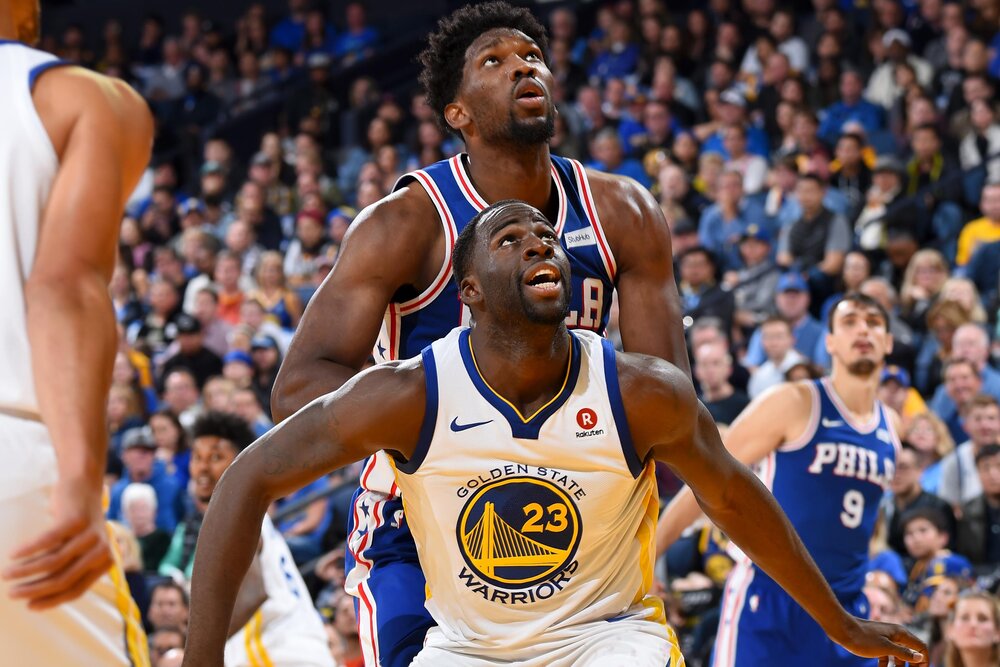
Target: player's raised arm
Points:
x,y
760,429
384,251
667,420
381,408
102,140
650,309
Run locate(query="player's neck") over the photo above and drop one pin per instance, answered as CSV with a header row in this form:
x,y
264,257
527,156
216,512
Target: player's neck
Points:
x,y
856,392
527,367
500,172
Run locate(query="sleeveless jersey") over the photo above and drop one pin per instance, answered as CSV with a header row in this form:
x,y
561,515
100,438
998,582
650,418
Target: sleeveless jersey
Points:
x,y
412,325
286,630
529,528
830,483
28,166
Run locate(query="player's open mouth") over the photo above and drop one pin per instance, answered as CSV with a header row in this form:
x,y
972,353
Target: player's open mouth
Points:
x,y
544,279
529,94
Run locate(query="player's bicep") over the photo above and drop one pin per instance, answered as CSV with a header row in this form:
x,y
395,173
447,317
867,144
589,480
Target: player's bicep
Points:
x,y
766,423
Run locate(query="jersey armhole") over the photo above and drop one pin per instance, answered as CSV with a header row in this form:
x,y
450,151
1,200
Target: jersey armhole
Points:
x,y
635,464
38,70
430,416
810,430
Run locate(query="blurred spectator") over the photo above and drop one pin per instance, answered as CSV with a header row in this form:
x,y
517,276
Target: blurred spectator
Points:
x,y
959,479
358,40
163,641
896,392
171,444
215,332
181,395
974,631
979,526
700,295
609,156
191,351
818,241
674,189
141,465
792,304
618,54
775,334
280,303
882,86
246,404
982,142
732,107
753,167
218,394
983,230
723,223
289,32
925,274
926,537
971,343
753,285
153,333
310,243
168,606
886,207
908,495
166,80
712,367
932,442
850,174
851,107
125,412
266,360
139,505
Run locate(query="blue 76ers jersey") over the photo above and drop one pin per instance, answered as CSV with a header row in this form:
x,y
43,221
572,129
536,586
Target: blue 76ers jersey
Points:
x,y
412,325
830,483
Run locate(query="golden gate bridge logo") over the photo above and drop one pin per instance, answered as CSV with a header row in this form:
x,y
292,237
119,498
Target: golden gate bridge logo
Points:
x,y
518,532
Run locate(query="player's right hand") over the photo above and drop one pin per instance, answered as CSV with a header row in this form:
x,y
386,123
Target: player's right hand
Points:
x,y
871,639
61,564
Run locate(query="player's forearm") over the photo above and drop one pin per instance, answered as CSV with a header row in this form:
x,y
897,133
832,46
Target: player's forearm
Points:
x,y
751,517
680,513
299,382
71,326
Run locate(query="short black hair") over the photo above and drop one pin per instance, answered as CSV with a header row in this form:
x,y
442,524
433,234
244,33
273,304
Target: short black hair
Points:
x,y
443,60
932,515
861,300
988,451
698,250
465,245
215,424
170,584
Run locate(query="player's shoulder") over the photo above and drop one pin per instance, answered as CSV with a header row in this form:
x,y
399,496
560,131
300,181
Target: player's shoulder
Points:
x,y
407,214
795,396
111,94
644,378
620,194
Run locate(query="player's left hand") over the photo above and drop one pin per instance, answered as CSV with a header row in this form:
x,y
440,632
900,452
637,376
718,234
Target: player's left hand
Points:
x,y
871,639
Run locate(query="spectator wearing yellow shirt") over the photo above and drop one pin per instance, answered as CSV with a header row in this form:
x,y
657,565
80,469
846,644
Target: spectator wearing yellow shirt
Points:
x,y
983,230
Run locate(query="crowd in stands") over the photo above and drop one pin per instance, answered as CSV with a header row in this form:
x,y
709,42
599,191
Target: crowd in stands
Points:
x,y
797,153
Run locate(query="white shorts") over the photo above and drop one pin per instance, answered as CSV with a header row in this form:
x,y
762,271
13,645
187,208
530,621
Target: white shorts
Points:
x,y
102,627
628,643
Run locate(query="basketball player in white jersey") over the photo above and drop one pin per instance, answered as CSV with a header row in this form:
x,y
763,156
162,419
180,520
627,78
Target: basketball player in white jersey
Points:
x,y
535,533
72,147
274,622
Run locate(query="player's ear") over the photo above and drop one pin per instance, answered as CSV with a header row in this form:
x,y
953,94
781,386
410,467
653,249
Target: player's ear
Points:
x,y
456,116
470,291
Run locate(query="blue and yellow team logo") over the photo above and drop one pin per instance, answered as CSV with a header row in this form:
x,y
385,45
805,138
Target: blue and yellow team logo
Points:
x,y
519,531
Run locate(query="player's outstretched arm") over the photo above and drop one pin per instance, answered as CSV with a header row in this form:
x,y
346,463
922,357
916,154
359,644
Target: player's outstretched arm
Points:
x,y
381,408
667,420
102,140
650,319
758,431
386,249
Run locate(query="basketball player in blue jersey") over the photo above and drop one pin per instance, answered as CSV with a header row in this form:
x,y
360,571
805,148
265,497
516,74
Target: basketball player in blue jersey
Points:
x,y
390,293
535,533
73,145
827,450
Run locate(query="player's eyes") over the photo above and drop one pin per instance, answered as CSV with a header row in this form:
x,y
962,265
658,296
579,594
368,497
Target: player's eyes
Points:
x,y
534,55
507,240
491,60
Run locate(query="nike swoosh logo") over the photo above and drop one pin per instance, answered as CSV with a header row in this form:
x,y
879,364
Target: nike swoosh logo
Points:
x,y
456,427
832,423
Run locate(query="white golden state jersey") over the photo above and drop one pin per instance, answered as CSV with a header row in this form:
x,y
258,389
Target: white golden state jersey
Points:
x,y
286,631
529,529
28,166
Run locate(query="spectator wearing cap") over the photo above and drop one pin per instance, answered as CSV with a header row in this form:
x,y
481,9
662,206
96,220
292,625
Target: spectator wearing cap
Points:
x,y
191,351
310,243
754,284
959,481
979,526
141,466
264,172
882,86
700,295
887,207
852,107
213,193
818,241
792,304
981,230
896,391
777,343
723,223
908,495
732,108
237,366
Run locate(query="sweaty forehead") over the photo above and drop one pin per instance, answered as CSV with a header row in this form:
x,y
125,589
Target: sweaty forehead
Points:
x,y
494,37
509,215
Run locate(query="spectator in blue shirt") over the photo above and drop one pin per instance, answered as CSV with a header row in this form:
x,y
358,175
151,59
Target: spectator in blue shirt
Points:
x,y
609,156
792,303
289,32
620,57
724,222
971,343
357,42
732,111
141,465
851,107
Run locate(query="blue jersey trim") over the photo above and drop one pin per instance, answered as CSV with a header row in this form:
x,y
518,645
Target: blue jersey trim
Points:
x,y
38,70
430,414
520,427
635,464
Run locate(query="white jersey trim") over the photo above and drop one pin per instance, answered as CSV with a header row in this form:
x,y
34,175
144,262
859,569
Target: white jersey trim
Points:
x,y
586,194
